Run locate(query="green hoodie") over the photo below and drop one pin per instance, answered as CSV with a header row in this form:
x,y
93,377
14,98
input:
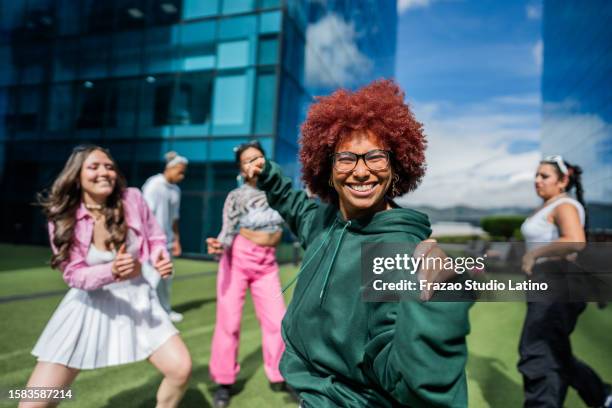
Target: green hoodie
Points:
x,y
342,351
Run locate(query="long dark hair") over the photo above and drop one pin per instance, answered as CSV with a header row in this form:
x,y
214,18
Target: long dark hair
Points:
x,y
574,174
62,201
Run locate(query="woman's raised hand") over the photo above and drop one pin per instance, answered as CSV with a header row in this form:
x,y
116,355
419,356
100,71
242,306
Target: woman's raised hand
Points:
x,y
125,265
256,167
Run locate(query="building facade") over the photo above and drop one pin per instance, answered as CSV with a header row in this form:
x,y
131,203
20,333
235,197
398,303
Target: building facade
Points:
x,y
143,77
577,96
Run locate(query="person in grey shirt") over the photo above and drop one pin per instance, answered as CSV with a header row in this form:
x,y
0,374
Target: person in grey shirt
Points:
x,y
163,196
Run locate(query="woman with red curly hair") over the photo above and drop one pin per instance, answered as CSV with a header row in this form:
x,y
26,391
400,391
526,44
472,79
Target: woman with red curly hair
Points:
x,y
359,150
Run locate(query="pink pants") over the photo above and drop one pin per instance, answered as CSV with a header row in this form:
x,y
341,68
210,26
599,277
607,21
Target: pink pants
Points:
x,y
247,265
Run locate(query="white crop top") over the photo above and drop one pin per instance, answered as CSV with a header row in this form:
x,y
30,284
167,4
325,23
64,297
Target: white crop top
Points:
x,y
537,230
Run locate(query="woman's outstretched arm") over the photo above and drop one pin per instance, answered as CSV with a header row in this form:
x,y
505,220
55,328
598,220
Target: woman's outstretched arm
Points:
x,y
296,208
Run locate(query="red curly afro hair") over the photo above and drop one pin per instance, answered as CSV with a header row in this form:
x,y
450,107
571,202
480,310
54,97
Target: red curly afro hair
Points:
x,y
379,108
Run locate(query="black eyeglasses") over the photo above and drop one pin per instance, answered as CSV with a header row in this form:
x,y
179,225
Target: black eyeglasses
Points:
x,y
254,159
375,160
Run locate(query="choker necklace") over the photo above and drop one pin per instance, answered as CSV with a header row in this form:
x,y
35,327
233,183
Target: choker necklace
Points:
x,y
94,206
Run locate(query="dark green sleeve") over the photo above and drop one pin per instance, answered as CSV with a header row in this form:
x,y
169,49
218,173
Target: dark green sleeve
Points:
x,y
418,352
294,206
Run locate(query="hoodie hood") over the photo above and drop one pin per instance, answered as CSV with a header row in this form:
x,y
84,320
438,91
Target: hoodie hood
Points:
x,y
393,223
394,220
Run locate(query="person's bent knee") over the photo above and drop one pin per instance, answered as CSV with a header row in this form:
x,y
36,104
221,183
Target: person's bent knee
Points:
x,y
181,372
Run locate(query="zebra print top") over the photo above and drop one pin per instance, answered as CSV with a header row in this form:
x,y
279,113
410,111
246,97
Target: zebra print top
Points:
x,y
247,207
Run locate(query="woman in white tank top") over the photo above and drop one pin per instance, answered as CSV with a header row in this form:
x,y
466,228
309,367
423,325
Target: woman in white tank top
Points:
x,y
546,361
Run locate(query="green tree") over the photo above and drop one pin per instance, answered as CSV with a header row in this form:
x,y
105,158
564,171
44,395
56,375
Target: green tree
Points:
x,y
502,226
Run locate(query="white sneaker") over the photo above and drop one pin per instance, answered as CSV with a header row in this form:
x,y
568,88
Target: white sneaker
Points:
x,y
608,402
175,317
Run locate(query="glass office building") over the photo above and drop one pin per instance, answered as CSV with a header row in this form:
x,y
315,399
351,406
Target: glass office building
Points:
x,y
143,77
577,96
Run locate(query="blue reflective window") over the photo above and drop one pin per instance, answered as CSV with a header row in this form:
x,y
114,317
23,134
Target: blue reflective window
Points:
x,y
268,51
7,69
98,16
230,99
4,110
93,58
193,209
198,42
157,106
2,155
287,157
10,117
269,3
194,150
266,144
122,107
132,14
166,11
40,20
223,150
233,54
91,104
233,101
126,59
198,33
237,6
61,100
65,59
270,22
29,111
199,8
265,103
11,17
293,57
237,27
121,152
35,59
152,152
68,17
290,115
193,104
161,50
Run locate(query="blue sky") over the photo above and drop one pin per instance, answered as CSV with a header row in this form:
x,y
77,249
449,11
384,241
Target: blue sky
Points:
x,y
471,72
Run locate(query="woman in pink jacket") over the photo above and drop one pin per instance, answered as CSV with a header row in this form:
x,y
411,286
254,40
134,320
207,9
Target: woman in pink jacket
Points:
x,y
104,238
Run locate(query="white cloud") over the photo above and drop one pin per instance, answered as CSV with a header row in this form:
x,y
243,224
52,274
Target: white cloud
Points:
x,y
534,11
538,54
469,156
403,5
332,56
527,100
581,138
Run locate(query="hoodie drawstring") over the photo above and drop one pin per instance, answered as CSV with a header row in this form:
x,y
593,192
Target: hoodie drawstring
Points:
x,y
323,242
348,223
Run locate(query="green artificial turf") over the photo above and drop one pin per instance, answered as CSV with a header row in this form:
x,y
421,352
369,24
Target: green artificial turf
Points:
x,y
492,376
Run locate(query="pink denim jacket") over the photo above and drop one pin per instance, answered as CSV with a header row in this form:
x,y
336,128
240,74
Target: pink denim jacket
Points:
x,y
140,220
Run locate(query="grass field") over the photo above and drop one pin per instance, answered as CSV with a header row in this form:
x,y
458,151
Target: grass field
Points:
x,y
30,291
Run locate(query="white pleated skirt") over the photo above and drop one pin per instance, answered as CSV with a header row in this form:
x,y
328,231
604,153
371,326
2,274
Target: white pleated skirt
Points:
x,y
120,323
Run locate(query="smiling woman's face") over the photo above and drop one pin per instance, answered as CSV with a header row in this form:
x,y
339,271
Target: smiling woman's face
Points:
x,y
98,175
362,190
